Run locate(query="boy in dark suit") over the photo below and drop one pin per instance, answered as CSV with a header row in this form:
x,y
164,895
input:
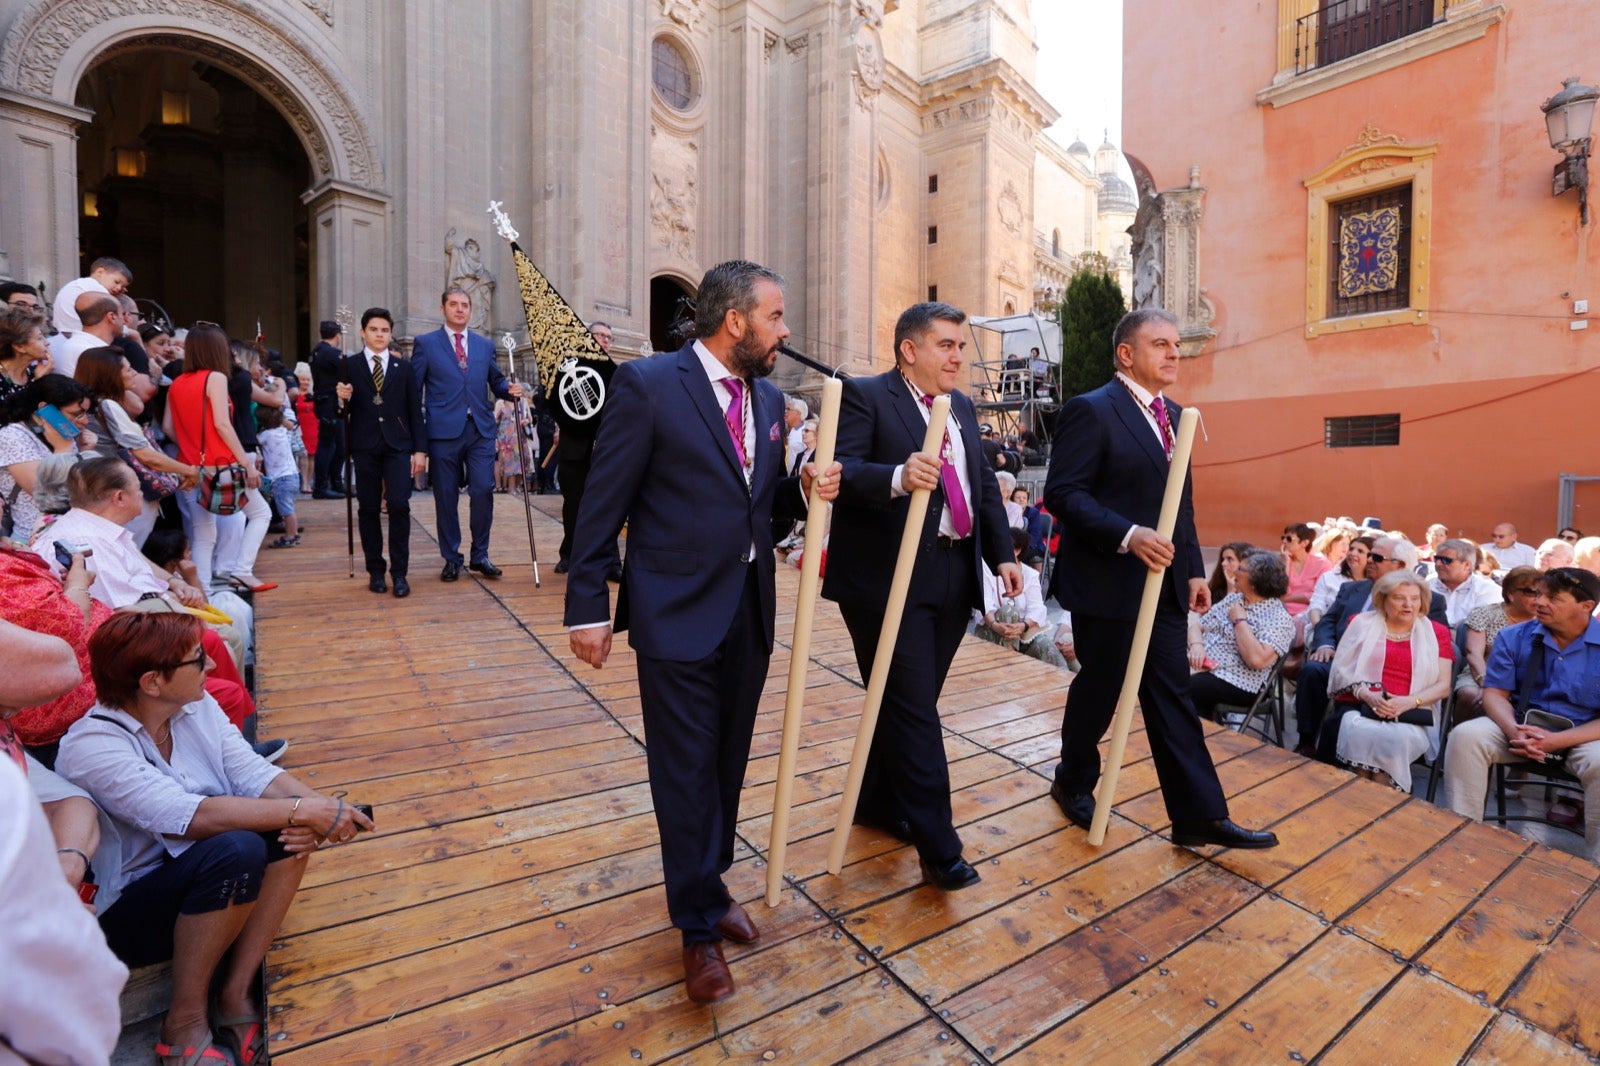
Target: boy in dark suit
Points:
x,y
380,394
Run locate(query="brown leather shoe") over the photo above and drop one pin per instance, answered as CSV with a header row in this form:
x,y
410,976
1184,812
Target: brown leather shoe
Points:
x,y
737,926
705,973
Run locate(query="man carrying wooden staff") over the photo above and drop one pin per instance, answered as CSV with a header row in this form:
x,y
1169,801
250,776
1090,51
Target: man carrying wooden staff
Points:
x,y
1108,470
965,540
690,455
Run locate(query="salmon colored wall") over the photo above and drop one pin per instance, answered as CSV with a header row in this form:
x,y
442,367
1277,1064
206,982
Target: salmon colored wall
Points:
x,y
1507,260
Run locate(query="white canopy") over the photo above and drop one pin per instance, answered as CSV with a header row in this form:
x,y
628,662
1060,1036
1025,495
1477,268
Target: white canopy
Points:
x,y
1018,334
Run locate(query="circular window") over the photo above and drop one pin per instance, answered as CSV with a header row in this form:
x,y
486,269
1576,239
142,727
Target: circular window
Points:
x,y
672,74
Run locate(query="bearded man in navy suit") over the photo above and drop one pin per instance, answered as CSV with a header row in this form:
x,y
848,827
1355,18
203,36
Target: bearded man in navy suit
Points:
x,y
690,455
456,373
1108,474
964,541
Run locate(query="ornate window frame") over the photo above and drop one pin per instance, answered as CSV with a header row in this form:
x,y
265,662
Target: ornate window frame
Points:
x,y
1376,161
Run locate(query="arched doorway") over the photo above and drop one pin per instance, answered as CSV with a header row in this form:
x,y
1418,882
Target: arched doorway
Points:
x,y
193,179
53,48
670,302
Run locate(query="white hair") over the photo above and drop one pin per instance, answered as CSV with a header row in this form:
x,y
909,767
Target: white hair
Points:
x,y
1008,482
795,403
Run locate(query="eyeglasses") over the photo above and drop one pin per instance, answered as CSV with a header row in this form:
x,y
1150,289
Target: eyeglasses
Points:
x,y
1442,559
1521,590
1562,580
199,660
1570,538
1377,557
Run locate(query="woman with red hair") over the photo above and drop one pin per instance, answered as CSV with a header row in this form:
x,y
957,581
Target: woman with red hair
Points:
x,y
214,837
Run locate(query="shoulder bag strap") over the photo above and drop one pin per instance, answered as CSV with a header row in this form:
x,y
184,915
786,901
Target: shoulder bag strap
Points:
x,y
1530,677
205,409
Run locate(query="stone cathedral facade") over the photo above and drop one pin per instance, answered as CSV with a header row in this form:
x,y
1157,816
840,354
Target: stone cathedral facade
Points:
x,y
274,160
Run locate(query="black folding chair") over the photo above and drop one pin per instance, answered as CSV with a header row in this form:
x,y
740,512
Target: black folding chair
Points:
x,y
1269,702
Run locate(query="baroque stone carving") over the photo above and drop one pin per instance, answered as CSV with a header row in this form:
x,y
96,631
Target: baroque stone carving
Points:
x,y
323,8
265,51
674,194
868,69
1010,208
464,270
685,13
1166,256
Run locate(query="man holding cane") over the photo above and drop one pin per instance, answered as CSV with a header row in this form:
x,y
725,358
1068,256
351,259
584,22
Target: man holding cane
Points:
x,y
1108,472
690,455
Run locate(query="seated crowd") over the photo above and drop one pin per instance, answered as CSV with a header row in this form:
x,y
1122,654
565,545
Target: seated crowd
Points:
x,y
126,637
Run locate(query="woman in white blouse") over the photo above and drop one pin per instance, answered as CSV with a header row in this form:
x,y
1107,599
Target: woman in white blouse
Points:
x,y
214,837
1242,635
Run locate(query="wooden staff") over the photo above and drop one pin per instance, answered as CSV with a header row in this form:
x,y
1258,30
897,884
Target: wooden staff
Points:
x,y
893,610
800,648
1176,474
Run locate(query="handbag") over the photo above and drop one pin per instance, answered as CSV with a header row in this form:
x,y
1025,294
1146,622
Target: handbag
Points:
x,y
222,489
1422,716
153,484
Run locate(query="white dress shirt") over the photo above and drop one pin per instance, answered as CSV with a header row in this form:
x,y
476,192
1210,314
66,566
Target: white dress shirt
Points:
x,y
1474,592
719,376
122,575
1144,397
58,1000
958,459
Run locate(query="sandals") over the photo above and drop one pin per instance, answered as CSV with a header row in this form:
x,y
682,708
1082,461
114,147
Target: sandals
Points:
x,y
194,1056
252,1050
251,583
286,542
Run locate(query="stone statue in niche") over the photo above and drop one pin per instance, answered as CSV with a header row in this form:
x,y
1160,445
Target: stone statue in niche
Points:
x,y
868,69
464,269
1147,272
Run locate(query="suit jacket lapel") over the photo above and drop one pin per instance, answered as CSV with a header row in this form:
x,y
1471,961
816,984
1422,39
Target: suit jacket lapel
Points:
x,y
1133,419
905,405
700,392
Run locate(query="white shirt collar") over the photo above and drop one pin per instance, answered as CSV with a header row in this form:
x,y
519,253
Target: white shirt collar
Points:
x,y
713,366
1140,393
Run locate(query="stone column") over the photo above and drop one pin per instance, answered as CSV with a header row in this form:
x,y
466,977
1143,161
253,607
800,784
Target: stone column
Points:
x,y
349,250
40,209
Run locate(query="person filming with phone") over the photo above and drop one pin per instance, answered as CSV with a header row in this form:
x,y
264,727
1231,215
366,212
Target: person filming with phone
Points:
x,y
41,432
214,838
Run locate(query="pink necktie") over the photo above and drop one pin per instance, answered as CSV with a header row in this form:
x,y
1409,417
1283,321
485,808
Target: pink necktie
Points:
x,y
734,417
960,517
1159,406
461,353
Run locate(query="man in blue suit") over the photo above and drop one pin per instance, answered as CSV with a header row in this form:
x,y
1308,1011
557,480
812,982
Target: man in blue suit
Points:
x,y
456,374
690,455
964,541
1108,473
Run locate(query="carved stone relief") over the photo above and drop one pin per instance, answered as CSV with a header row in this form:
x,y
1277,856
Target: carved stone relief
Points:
x,y
868,69
264,50
685,13
674,194
323,8
1010,208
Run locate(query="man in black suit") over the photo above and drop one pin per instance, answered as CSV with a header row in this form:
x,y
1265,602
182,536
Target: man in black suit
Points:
x,y
1387,555
691,457
386,437
964,541
572,468
327,481
1108,473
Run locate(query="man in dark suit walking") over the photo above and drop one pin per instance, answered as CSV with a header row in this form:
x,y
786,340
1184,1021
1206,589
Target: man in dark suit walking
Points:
x,y
456,373
327,481
1108,473
964,541
386,439
690,455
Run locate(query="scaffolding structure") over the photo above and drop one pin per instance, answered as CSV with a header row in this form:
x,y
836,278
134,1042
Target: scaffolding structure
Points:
x,y
1015,375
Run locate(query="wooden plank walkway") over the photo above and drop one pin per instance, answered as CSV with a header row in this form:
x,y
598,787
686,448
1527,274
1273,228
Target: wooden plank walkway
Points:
x,y
509,910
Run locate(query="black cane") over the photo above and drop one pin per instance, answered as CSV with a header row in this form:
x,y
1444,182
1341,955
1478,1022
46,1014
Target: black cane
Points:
x,y
349,470
527,503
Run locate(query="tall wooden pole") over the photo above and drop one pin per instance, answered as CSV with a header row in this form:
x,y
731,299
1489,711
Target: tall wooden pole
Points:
x,y
800,648
893,610
1105,795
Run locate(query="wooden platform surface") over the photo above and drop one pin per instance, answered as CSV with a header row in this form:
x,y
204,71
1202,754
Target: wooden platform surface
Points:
x,y
510,909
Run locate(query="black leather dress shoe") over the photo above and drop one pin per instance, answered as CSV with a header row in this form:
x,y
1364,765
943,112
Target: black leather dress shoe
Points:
x,y
375,583
486,568
898,828
561,566
1077,806
949,876
450,572
1221,831
402,588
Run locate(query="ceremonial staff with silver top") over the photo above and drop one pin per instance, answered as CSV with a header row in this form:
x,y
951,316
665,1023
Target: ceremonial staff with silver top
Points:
x,y
509,343
343,317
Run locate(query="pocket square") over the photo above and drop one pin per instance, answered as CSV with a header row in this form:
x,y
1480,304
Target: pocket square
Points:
x,y
772,434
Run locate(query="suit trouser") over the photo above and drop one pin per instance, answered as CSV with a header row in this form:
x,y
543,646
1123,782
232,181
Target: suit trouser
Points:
x,y
698,720
1188,778
1311,698
467,459
574,476
907,775
384,474
1478,744
330,453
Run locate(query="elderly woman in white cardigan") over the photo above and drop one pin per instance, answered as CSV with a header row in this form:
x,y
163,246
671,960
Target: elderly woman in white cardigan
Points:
x,y
1391,669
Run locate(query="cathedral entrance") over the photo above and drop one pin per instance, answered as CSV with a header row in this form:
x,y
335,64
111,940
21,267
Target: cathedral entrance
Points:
x,y
671,301
194,179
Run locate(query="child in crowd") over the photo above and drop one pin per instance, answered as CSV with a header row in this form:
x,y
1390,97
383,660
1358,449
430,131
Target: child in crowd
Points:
x,y
278,455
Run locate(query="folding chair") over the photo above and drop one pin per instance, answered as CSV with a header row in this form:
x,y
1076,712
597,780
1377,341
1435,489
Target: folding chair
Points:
x,y
1269,701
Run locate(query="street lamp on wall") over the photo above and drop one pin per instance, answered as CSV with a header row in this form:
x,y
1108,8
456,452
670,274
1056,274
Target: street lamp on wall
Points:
x,y
1569,116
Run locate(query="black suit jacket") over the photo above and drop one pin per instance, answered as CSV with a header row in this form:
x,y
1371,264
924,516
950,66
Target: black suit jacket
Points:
x,y
392,424
1108,472
1350,601
879,427
325,360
